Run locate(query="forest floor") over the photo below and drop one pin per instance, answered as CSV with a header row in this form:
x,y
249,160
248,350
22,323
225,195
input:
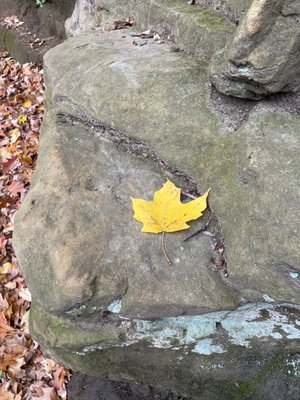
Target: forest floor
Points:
x,y
25,372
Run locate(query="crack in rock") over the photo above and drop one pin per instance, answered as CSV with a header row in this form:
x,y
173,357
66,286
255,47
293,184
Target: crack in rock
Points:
x,y
132,146
234,112
76,116
126,144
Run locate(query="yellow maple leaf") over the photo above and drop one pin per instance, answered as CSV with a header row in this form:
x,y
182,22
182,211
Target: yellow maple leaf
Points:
x,y
166,213
22,119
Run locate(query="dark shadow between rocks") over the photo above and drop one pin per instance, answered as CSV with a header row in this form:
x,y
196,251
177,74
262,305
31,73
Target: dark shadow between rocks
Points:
x,y
234,112
85,387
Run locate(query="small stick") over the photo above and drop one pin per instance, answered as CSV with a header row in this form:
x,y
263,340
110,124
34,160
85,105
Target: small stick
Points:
x,y
143,35
47,38
164,248
201,229
186,194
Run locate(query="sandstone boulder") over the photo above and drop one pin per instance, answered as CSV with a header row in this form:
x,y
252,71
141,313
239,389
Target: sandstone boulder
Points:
x,y
251,352
263,57
112,260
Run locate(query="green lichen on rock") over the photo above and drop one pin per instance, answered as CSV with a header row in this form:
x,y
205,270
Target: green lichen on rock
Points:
x,y
257,385
199,356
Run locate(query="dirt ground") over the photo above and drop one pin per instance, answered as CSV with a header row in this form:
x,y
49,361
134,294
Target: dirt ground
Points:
x,y
42,27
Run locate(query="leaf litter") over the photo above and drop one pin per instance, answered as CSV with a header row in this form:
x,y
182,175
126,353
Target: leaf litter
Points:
x,y
24,372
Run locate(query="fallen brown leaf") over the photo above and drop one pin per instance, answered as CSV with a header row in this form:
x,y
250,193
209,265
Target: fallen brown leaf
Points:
x,y
26,373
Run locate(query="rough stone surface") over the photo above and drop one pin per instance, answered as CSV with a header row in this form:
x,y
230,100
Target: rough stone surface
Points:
x,y
45,22
231,9
82,17
100,194
242,168
263,57
120,119
195,30
251,352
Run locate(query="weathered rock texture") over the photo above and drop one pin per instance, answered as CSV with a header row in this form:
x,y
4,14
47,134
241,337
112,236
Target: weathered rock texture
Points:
x,y
233,10
114,167
195,30
264,55
82,18
252,352
120,119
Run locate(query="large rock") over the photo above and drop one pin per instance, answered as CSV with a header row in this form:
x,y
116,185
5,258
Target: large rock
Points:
x,y
120,119
195,30
112,260
45,22
263,57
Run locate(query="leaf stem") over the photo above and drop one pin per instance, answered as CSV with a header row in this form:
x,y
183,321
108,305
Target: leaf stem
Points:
x,y
164,248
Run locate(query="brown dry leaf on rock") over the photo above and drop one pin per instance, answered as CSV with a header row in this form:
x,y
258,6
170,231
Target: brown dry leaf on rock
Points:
x,y
123,24
24,372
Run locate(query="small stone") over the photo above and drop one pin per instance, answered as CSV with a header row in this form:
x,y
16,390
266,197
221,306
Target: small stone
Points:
x,y
157,38
174,48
